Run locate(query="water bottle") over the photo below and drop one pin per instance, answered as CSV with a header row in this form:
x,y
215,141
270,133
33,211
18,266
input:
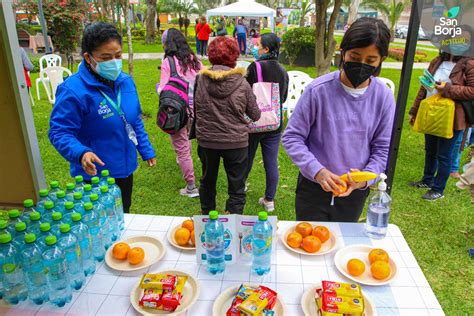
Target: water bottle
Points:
x,y
34,225
19,238
69,244
104,222
262,245
378,212
79,184
14,218
105,176
29,207
3,226
60,200
49,209
214,231
95,181
44,197
117,194
81,231
54,188
87,192
33,269
54,259
108,202
14,289
78,202
56,222
70,190
92,220
45,232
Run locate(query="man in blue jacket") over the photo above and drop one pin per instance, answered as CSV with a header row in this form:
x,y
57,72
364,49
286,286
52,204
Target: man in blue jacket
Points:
x,y
95,122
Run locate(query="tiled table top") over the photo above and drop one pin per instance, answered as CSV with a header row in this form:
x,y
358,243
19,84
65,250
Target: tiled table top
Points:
x,y
107,291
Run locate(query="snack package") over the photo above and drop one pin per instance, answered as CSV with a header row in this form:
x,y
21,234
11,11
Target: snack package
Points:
x,y
159,281
265,298
234,308
172,299
151,298
342,289
342,304
245,291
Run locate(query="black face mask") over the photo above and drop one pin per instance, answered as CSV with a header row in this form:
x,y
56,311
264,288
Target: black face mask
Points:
x,y
358,73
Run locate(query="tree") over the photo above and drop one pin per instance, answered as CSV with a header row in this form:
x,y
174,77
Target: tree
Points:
x,y
353,9
126,7
203,5
325,43
269,3
393,10
306,7
150,21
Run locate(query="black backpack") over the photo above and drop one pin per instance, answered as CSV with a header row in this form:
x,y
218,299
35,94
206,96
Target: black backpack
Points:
x,y
174,102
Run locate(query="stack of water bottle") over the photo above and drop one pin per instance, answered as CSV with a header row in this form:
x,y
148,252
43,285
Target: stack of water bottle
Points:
x,y
49,249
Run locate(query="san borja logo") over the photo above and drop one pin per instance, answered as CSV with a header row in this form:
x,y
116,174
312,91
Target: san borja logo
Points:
x,y
448,24
104,109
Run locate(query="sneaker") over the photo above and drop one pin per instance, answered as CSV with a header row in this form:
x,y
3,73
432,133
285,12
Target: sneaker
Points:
x,y
189,193
432,196
268,205
455,175
419,185
246,187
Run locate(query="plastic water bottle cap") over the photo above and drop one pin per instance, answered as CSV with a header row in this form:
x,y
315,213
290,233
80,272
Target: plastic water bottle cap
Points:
x,y
3,224
21,226
54,184
110,181
213,215
104,189
50,240
94,197
35,216
382,184
88,206
70,186
45,227
64,228
28,203
43,192
79,179
5,238
95,180
57,216
30,238
87,187
60,194
76,217
105,173
14,213
263,216
49,205
77,196
69,205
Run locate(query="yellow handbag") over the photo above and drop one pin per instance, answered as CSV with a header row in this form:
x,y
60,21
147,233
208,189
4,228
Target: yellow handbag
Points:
x,y
435,117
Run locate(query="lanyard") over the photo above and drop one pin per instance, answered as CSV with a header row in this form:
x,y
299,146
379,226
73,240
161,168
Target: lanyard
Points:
x,y
116,106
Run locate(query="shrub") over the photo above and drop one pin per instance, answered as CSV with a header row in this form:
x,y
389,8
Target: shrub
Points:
x,y
398,53
296,39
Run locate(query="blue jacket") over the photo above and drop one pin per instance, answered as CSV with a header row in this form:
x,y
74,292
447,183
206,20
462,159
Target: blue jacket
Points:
x,y
82,121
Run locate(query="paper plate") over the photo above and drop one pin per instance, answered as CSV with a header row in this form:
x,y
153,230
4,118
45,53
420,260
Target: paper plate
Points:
x,y
224,301
327,246
173,242
361,252
191,293
308,303
154,251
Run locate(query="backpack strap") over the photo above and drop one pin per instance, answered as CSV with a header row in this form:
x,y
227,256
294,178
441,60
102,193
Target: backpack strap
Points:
x,y
259,71
174,73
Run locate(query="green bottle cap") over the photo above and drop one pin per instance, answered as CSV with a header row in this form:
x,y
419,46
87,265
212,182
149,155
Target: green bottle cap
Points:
x,y
77,196
263,216
14,214
87,187
57,216
28,203
64,228
50,240
88,206
94,197
54,184
95,180
60,194
69,205
111,181
49,205
70,186
45,227
43,192
35,216
213,215
104,189
76,217
30,238
105,173
3,224
21,226
79,179
5,238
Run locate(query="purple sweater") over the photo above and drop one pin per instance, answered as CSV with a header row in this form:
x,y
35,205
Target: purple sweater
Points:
x,y
334,130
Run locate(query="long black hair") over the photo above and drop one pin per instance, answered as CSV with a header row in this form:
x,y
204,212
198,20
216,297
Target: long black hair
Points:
x,y
176,45
272,42
97,34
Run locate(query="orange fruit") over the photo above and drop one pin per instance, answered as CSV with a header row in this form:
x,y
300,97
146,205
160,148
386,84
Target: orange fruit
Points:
x,y
294,240
182,236
136,255
311,244
355,267
304,229
188,224
193,239
378,255
321,232
380,270
120,251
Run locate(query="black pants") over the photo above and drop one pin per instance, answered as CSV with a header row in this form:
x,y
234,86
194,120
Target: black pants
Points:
x,y
314,204
203,48
235,164
126,186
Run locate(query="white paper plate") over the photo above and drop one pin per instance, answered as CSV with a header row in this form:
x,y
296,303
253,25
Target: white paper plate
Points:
x,y
224,301
327,246
308,303
191,293
154,251
173,242
361,252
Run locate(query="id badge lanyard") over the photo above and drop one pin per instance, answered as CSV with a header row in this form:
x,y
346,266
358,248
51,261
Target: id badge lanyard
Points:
x,y
128,127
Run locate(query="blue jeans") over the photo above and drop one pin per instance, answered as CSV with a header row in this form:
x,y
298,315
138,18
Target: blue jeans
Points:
x,y
198,46
438,160
242,40
457,152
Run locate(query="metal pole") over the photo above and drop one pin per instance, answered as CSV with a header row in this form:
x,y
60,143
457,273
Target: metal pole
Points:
x,y
404,88
44,29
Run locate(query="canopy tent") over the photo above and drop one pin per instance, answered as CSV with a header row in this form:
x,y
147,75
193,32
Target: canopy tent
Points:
x,y
248,8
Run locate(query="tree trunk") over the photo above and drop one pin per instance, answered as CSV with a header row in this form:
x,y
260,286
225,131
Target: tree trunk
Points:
x,y
126,13
353,12
113,9
150,21
302,19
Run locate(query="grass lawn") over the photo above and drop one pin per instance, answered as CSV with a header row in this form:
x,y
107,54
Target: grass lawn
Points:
x,y
437,233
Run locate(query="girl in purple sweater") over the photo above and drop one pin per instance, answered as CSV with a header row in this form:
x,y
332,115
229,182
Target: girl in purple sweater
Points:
x,y
342,123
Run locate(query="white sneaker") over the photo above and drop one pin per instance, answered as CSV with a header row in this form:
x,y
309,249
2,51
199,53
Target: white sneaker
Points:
x,y
268,205
189,193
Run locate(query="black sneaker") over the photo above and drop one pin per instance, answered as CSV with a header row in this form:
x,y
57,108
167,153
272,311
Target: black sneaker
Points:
x,y
419,185
432,196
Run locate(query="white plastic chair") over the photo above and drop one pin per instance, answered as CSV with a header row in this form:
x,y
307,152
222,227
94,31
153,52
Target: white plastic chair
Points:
x,y
298,82
389,83
242,64
46,61
51,78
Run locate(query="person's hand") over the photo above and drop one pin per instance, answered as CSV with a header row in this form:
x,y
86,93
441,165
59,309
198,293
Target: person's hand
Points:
x,y
412,120
87,162
151,162
329,181
351,185
440,86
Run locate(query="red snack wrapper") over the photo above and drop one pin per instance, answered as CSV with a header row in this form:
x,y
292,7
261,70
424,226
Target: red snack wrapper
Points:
x,y
151,299
234,308
269,294
172,299
159,281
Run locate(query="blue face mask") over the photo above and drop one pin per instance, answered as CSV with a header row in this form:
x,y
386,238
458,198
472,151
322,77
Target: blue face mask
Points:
x,y
110,69
459,49
255,52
